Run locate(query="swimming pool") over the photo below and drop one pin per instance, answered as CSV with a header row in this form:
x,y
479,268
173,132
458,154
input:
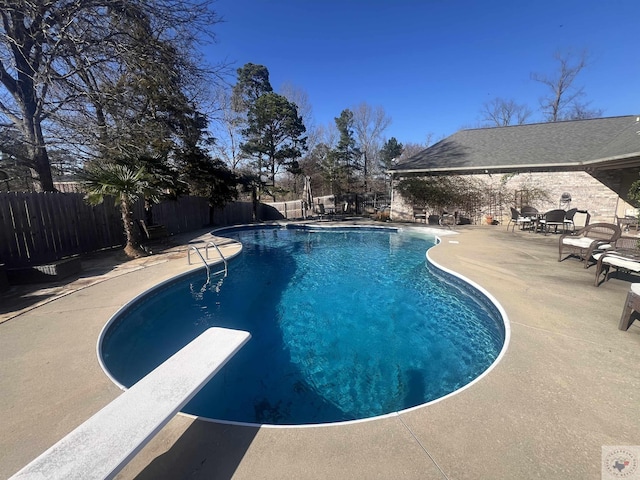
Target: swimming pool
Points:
x,y
346,324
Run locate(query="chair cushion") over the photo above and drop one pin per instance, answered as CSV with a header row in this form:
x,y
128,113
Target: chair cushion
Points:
x,y
580,242
635,288
621,262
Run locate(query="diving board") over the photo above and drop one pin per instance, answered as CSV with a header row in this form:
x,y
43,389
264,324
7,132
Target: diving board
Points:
x,y
104,444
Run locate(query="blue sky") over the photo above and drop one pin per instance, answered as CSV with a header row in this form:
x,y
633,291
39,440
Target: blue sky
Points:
x,y
432,64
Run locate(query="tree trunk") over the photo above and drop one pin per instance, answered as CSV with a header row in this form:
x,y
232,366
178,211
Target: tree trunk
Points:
x,y
42,170
132,247
212,215
254,203
148,211
39,158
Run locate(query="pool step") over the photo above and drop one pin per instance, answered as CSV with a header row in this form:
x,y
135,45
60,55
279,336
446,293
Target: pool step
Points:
x,y
104,444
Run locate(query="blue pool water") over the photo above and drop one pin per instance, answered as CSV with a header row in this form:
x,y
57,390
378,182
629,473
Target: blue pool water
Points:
x,y
345,324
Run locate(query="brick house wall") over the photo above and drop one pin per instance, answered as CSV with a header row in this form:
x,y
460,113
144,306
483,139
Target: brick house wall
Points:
x,y
587,193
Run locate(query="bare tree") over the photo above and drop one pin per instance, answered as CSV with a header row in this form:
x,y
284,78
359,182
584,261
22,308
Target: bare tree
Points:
x,y
319,164
50,51
227,131
581,111
298,96
411,149
564,96
428,139
501,112
369,124
329,134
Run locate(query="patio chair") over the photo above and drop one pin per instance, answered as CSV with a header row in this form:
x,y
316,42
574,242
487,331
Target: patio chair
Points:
x,y
624,256
419,214
518,219
152,232
447,220
553,218
319,210
532,213
631,304
586,241
627,222
568,219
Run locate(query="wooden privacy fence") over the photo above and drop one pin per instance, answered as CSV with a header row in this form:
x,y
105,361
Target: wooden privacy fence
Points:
x,y
178,216
289,210
233,213
40,228
293,209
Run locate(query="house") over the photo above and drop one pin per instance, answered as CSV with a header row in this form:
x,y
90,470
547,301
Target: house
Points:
x,y
589,164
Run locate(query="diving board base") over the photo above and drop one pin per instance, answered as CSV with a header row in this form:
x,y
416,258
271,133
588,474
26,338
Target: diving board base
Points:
x,y
104,444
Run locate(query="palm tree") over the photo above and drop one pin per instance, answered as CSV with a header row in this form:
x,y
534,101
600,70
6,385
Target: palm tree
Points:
x,y
126,184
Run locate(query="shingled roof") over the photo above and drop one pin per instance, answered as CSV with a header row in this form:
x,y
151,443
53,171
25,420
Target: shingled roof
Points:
x,y
558,146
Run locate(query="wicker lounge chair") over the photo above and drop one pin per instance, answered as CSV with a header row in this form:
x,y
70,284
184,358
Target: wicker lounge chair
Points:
x,y
586,241
624,256
631,304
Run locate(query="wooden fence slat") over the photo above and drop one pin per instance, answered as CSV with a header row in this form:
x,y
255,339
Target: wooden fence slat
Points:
x,y
8,245
54,224
288,210
90,227
20,213
36,228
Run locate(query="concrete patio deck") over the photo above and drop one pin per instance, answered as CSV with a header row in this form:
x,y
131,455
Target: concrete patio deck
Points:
x,y
568,384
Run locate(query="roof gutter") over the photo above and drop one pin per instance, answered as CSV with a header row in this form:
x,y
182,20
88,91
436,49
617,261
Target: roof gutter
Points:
x,y
485,168
538,166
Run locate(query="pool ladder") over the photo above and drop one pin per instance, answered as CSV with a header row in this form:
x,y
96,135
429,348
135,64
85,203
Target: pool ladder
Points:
x,y
206,265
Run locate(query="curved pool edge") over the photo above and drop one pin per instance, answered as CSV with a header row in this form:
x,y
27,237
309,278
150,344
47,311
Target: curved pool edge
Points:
x,y
426,231
140,296
398,413
505,320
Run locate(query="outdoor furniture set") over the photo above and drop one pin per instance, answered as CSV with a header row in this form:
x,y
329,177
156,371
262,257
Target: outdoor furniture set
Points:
x,y
534,221
604,243
446,219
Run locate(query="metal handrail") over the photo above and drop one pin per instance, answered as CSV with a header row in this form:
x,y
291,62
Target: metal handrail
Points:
x,y
224,260
193,247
